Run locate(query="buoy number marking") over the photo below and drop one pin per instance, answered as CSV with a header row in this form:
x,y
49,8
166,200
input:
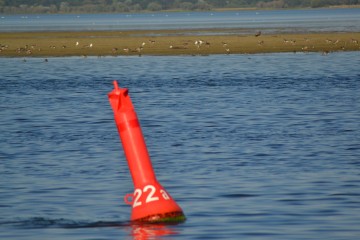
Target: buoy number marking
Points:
x,y
137,195
150,197
164,194
150,190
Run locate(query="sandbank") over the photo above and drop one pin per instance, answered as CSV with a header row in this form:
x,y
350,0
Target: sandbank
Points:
x,y
170,42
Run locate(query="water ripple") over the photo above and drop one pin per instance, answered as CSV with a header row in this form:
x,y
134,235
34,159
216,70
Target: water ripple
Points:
x,y
247,148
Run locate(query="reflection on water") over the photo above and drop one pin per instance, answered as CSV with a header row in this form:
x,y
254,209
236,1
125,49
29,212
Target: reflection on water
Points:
x,y
151,231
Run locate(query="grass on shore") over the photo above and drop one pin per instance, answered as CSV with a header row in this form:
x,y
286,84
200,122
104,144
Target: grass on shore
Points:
x,y
168,42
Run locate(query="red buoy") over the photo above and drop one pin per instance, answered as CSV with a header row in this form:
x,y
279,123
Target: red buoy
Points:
x,y
150,201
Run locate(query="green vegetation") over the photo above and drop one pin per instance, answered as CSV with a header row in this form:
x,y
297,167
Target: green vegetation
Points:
x,y
108,6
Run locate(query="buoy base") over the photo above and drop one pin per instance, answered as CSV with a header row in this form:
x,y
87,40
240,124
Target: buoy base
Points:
x,y
171,217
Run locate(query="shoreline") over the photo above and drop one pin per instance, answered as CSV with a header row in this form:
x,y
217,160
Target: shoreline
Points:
x,y
224,9
171,42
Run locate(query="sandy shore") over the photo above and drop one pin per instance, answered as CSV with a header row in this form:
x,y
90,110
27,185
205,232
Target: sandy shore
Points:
x,y
170,42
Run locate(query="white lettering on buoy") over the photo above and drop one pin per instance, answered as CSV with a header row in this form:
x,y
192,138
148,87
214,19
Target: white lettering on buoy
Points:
x,y
151,191
164,194
150,197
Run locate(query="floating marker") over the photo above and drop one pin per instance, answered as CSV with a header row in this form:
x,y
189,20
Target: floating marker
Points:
x,y
150,201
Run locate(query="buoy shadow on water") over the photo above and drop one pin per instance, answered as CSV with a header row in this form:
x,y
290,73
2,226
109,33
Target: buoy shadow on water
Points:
x,y
135,229
40,222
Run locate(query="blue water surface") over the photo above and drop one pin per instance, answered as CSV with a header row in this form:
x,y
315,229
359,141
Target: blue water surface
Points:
x,y
304,20
263,146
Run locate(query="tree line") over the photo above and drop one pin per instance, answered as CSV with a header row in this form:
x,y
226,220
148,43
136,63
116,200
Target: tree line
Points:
x,y
114,6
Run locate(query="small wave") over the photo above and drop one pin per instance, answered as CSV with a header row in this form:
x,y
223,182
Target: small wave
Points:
x,y
40,222
238,195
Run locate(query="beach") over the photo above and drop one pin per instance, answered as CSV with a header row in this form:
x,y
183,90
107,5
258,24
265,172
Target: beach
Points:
x,y
170,42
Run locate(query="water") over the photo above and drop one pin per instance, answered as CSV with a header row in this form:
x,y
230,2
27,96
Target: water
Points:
x,y
309,20
260,146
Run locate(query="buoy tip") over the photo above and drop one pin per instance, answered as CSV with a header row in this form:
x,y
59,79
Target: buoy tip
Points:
x,y
116,86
